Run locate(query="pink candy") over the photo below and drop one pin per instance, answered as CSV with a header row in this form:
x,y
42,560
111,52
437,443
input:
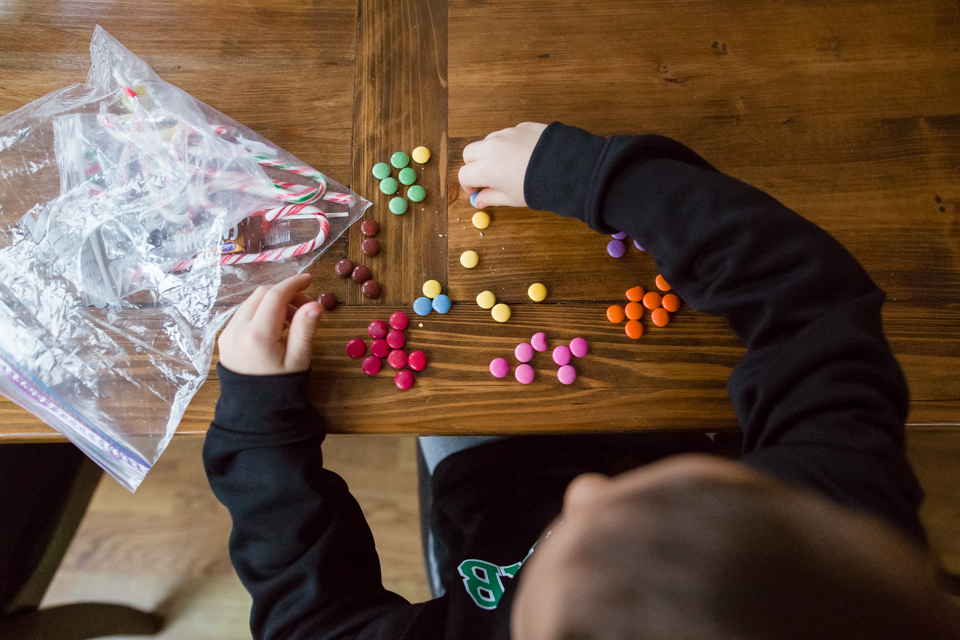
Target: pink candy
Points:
x,y
356,348
404,379
371,365
397,359
499,367
524,374
377,329
566,374
380,348
417,360
561,355
579,348
399,320
539,341
388,342
396,339
523,352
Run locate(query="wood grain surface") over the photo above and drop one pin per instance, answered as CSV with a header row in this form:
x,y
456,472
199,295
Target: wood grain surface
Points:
x,y
846,112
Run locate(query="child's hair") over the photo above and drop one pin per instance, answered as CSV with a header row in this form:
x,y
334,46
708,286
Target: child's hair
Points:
x,y
698,558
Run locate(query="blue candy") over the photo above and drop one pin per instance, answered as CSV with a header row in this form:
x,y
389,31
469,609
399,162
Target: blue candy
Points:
x,y
441,304
422,306
473,199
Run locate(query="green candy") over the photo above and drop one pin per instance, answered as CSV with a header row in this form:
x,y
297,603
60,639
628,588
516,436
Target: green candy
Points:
x,y
381,170
408,176
389,186
416,193
398,206
399,159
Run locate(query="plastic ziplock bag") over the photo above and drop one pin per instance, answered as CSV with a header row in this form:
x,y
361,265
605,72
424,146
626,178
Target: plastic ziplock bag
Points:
x,y
133,220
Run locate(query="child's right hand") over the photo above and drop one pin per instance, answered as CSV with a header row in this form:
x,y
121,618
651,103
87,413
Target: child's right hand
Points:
x,y
495,166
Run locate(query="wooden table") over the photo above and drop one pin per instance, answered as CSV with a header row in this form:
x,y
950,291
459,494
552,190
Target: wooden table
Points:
x,y
846,112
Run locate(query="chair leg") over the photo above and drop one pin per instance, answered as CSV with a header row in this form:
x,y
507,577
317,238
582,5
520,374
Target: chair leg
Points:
x,y
80,621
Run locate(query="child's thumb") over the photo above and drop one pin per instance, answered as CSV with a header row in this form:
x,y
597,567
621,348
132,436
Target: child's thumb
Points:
x,y
300,337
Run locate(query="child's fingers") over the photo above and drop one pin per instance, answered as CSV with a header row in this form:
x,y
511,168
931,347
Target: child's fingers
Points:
x,y
492,198
471,177
300,338
272,311
473,151
248,307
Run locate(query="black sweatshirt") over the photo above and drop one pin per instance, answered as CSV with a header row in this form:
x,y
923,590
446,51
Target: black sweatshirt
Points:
x,y
820,398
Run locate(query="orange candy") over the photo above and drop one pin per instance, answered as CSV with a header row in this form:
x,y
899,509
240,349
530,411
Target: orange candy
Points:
x,y
635,294
671,302
651,300
634,310
615,313
662,284
634,329
660,317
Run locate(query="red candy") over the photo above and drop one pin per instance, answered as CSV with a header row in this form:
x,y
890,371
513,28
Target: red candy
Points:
x,y
377,329
396,339
403,379
397,359
380,348
417,360
356,348
371,365
399,320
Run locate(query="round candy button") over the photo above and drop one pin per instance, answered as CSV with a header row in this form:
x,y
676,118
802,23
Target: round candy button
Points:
x,y
381,170
404,379
500,312
422,306
442,304
481,219
670,302
578,347
561,355
371,289
396,339
380,348
566,374
397,359
652,300
660,317
356,348
398,206
377,329
537,292
499,367
524,352
417,360
634,310
634,329
615,313
486,299
637,245
361,273
620,236
399,160
469,259
343,268
399,320
416,193
473,199
661,283
524,374
407,176
369,227
421,155
635,294
328,300
371,365
431,288
539,341
389,186
370,246
615,247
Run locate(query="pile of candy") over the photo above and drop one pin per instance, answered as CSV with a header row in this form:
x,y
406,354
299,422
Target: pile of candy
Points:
x,y
660,308
406,176
524,352
432,299
360,273
616,248
388,343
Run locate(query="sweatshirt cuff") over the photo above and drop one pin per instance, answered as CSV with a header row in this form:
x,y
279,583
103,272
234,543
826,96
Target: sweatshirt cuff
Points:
x,y
267,405
562,171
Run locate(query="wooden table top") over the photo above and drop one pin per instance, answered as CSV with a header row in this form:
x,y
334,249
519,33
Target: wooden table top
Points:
x,y
846,112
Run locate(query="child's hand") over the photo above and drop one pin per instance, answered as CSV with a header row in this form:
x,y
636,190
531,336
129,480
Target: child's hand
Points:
x,y
496,165
253,342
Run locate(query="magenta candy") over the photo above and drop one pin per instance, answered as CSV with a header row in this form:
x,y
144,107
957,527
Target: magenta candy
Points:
x,y
637,245
417,360
579,348
399,320
524,374
377,329
404,379
371,365
380,348
499,367
616,248
566,374
396,339
397,359
523,352
620,236
539,341
561,355
356,348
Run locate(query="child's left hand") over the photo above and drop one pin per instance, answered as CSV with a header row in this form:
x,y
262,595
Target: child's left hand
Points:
x,y
253,342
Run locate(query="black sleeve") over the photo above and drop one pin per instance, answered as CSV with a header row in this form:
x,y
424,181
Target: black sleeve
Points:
x,y
819,395
300,543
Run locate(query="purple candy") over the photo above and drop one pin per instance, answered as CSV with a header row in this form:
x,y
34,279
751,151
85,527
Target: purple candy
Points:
x,y
561,355
524,352
620,236
524,374
579,348
616,249
637,245
499,367
566,374
539,341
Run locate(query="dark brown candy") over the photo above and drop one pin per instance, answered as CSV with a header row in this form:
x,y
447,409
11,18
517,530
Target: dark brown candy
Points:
x,y
370,246
371,289
328,300
343,268
369,227
361,273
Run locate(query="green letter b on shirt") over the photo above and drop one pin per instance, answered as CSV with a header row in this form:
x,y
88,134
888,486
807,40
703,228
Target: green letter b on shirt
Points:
x,y
482,580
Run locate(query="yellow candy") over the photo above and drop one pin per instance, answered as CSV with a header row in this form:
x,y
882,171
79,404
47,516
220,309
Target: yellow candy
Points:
x,y
501,312
431,288
481,219
421,155
469,259
537,292
486,299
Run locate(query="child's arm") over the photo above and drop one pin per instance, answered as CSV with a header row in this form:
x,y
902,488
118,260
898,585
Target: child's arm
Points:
x,y
299,543
819,395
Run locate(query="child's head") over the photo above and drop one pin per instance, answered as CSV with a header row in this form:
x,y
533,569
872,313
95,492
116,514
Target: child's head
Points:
x,y
700,547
